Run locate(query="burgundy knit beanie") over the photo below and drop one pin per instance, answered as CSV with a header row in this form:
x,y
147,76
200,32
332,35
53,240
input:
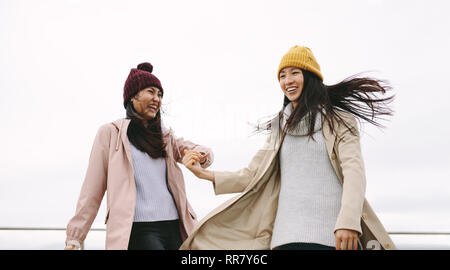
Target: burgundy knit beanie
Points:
x,y
138,79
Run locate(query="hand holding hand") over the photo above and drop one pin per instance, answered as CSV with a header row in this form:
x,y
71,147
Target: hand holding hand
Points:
x,y
203,157
192,160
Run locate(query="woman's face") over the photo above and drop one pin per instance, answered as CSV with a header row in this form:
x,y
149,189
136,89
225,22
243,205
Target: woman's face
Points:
x,y
147,102
291,82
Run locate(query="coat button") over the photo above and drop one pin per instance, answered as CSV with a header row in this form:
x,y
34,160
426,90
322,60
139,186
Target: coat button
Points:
x,y
388,246
364,216
333,156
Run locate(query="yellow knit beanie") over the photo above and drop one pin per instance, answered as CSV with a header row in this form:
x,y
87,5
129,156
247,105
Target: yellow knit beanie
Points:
x,y
301,57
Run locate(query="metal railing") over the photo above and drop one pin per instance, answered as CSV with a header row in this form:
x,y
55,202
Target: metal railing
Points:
x,y
41,229
103,229
45,229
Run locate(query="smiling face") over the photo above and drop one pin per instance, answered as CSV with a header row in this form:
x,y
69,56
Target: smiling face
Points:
x,y
147,102
291,82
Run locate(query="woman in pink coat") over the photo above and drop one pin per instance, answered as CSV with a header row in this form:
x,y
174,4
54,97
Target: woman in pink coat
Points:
x,y
135,161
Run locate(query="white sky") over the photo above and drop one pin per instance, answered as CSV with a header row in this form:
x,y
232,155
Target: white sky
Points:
x,y
64,63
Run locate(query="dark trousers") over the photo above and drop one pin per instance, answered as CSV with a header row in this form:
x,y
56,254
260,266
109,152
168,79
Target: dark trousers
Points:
x,y
304,246
157,235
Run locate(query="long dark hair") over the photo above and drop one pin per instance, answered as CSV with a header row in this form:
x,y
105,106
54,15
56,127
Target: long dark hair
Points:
x,y
147,139
355,95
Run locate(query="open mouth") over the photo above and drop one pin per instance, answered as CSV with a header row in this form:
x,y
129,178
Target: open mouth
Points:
x,y
291,89
153,108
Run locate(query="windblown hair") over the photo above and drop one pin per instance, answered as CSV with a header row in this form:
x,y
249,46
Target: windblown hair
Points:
x,y
355,95
147,139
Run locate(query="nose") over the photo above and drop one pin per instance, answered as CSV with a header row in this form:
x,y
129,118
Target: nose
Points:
x,y
157,98
289,80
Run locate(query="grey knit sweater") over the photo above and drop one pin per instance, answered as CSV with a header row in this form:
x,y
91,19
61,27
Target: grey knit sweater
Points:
x,y
310,195
153,199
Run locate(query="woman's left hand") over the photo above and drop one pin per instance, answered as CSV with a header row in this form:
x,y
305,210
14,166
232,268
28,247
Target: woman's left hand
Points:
x,y
346,239
203,157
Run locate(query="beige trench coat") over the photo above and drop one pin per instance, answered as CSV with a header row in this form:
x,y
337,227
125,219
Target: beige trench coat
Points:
x,y
246,220
110,170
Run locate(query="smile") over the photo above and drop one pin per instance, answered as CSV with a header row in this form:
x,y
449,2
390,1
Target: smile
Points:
x,y
292,89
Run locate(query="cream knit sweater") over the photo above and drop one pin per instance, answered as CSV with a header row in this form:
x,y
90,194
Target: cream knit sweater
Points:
x,y
310,195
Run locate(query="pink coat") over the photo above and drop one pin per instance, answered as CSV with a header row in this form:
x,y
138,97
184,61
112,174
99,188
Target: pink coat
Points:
x,y
110,169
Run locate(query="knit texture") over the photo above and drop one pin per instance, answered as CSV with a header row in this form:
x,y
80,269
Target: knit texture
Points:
x,y
301,57
153,199
310,194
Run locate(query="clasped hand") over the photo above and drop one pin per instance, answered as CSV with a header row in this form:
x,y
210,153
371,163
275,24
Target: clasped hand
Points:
x,y
192,160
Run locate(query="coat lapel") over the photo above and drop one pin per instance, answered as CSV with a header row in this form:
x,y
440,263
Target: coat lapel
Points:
x,y
329,138
276,139
330,141
125,141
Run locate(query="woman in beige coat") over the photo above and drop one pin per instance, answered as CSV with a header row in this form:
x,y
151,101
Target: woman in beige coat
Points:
x,y
305,189
135,161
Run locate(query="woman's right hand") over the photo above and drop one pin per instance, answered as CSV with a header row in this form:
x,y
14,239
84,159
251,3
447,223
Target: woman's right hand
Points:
x,y
70,247
191,160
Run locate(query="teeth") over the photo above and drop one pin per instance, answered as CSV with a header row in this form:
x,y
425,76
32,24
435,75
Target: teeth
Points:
x,y
291,89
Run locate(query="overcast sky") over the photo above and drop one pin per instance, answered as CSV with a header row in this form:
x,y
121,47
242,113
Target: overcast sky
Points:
x,y
64,63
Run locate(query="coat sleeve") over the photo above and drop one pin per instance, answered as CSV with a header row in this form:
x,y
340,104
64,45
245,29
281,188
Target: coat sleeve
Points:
x,y
180,145
93,188
354,179
233,182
